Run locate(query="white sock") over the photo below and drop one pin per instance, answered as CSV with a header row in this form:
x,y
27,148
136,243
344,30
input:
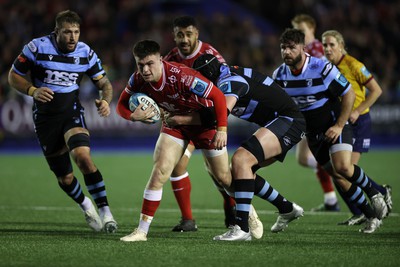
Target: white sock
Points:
x,y
330,198
180,177
105,211
86,204
144,222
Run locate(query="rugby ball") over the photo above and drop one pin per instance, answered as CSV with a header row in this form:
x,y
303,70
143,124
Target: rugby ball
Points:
x,y
140,98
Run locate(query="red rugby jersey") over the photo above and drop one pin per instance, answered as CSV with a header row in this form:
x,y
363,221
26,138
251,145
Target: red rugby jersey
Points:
x,y
180,90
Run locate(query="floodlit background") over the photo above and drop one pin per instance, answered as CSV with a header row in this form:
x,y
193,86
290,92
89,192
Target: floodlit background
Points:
x,y
246,33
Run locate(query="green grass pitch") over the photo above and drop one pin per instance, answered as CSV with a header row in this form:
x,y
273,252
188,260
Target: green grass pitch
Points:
x,y
41,226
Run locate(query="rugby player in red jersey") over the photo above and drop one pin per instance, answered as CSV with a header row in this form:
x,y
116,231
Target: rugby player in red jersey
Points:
x,y
188,49
177,89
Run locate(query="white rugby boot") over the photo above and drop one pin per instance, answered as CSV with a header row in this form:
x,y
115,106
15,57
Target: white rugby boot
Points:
x,y
255,225
136,235
284,219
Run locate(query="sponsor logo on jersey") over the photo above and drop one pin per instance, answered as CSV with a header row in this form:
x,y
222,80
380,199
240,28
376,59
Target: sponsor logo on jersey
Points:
x,y
51,57
341,79
287,141
327,69
199,86
172,79
313,66
21,59
187,80
76,60
32,47
225,88
174,96
365,72
366,143
60,77
309,82
303,101
175,70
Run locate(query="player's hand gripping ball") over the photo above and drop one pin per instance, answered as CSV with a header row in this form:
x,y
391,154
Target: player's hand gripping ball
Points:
x,y
138,98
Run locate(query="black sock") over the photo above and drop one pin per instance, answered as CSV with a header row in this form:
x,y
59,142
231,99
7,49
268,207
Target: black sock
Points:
x,y
362,180
73,190
265,191
95,185
244,192
358,198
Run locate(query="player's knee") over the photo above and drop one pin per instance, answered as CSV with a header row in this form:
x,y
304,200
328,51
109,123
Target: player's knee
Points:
x,y
66,179
161,172
249,150
60,165
240,157
302,161
343,168
83,160
157,180
224,177
242,160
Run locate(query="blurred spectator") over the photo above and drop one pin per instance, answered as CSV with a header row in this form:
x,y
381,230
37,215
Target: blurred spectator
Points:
x,y
371,30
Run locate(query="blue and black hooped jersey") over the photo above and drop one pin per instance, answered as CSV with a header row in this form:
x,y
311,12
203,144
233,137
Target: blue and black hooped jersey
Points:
x,y
60,72
316,90
259,98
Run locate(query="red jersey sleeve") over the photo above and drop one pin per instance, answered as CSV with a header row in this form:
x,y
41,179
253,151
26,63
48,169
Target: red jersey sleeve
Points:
x,y
123,105
221,112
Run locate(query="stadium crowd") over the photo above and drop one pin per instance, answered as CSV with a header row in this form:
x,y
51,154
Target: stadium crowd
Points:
x,y
370,29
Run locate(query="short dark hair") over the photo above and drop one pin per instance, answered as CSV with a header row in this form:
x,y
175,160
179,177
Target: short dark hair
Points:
x,y
146,47
184,21
67,16
292,35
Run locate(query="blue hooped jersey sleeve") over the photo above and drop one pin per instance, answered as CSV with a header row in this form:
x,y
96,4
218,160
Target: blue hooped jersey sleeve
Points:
x,y
232,84
51,68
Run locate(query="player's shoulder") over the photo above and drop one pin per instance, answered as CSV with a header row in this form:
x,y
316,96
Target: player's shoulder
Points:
x,y
206,48
280,71
318,64
172,55
83,46
206,45
168,65
40,43
351,61
84,50
136,80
